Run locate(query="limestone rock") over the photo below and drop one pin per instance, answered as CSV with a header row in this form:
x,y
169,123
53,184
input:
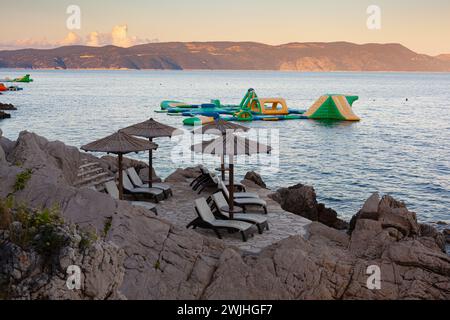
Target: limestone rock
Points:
x,y
256,178
391,213
143,174
35,152
2,152
26,274
323,267
301,200
182,175
428,231
6,144
112,163
446,234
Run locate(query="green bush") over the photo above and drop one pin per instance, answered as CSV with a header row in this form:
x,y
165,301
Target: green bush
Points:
x,y
50,241
40,229
6,216
87,239
22,179
107,226
47,224
47,216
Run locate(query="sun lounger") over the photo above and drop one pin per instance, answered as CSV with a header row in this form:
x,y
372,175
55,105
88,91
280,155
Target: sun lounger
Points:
x,y
136,180
207,220
156,194
207,179
113,191
212,180
221,185
220,202
244,202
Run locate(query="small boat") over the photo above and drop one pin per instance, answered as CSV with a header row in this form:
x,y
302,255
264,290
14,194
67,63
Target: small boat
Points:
x,y
3,87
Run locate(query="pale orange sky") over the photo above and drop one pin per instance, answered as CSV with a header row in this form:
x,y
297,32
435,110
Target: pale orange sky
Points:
x,y
423,26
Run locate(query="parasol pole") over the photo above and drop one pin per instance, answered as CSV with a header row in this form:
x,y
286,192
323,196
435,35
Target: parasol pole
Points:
x,y
120,177
150,164
231,187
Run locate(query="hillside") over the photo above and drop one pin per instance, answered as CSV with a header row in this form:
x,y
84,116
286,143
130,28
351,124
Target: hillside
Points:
x,y
444,57
336,56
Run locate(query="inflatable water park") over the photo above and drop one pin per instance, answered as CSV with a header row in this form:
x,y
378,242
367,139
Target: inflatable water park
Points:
x,y
25,79
254,108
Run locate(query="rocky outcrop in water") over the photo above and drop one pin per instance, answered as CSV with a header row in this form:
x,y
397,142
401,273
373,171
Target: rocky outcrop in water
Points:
x,y
301,199
254,178
162,261
4,115
397,220
7,106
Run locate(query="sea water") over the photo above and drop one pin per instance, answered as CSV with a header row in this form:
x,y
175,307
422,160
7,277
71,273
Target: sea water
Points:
x,y
401,147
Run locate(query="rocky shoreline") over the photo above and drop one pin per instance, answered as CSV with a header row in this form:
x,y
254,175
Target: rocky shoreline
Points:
x,y
143,256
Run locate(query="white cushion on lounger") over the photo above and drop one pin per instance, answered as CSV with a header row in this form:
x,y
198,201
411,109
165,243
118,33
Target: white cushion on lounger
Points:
x,y
250,201
237,194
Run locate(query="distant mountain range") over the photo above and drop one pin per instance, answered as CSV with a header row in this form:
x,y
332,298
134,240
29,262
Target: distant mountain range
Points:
x,y
335,56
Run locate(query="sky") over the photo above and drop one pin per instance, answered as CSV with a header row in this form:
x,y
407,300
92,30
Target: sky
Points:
x,y
421,25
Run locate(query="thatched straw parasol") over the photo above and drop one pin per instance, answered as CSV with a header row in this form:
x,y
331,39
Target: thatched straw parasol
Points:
x,y
231,145
120,143
151,129
221,127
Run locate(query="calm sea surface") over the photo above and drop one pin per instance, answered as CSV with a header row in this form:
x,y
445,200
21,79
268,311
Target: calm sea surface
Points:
x,y
401,147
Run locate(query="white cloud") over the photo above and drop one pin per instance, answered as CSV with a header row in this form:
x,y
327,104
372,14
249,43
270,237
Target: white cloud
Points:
x,y
118,37
93,39
71,39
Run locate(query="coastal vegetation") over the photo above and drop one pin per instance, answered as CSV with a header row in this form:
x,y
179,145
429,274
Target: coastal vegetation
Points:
x,y
22,179
32,229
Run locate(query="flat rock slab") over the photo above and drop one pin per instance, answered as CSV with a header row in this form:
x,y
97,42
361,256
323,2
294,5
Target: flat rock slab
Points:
x,y
179,210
